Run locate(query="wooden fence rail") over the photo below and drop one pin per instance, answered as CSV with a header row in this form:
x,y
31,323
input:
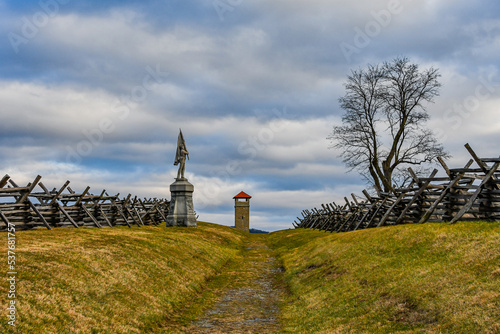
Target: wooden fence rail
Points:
x,y
463,194
34,206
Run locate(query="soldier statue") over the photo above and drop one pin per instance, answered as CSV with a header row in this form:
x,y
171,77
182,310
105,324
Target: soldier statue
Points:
x,y
180,156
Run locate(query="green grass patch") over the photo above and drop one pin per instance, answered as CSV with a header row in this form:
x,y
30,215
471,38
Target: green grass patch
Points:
x,y
116,280
432,278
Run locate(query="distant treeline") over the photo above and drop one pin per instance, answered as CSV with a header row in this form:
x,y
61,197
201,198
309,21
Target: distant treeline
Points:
x,y
254,230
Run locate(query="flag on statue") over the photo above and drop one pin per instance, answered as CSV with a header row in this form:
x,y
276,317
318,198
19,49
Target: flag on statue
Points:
x,y
181,144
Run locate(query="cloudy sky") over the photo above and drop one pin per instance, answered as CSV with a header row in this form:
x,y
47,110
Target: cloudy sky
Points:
x,y
95,92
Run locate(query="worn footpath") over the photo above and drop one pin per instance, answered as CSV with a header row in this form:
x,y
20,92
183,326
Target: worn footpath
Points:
x,y
250,304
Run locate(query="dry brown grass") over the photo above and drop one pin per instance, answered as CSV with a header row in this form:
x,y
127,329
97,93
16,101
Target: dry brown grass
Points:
x,y
431,278
113,280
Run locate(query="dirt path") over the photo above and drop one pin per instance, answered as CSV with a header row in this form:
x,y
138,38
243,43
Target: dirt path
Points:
x,y
251,304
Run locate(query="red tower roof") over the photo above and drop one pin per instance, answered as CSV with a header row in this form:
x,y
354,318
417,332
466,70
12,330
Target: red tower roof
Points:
x,y
242,195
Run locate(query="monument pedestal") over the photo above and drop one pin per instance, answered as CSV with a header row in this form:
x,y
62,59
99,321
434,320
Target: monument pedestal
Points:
x,y
181,212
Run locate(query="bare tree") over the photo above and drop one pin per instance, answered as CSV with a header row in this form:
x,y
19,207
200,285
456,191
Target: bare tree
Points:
x,y
383,125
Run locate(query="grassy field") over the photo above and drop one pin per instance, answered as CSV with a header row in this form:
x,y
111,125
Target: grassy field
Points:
x,y
115,280
431,278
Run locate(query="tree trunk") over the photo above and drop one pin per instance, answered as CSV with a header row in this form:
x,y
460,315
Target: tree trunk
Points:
x,y
376,182
387,179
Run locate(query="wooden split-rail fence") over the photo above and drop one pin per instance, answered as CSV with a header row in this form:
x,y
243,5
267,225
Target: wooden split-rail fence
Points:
x,y
34,206
468,193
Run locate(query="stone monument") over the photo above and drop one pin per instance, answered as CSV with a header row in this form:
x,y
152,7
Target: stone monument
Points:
x,y
181,211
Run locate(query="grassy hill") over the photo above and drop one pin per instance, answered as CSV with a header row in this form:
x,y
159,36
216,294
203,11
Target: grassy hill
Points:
x,y
114,280
431,278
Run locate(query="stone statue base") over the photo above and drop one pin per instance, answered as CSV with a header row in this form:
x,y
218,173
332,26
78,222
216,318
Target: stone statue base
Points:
x,y
181,212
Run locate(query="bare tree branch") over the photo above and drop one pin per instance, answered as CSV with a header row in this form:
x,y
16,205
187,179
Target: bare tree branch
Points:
x,y
393,93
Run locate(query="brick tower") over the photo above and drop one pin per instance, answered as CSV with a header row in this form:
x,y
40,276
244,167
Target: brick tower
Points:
x,y
242,211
